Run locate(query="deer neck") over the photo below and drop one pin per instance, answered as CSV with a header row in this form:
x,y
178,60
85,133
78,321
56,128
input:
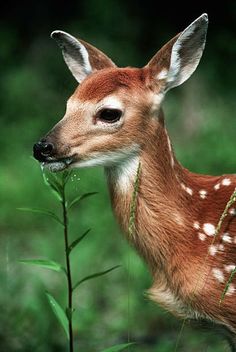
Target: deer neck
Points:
x,y
162,202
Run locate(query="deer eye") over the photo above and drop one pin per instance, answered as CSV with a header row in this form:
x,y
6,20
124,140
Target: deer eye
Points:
x,y
109,115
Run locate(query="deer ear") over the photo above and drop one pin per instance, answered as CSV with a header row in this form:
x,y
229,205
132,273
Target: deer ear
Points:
x,y
177,60
80,57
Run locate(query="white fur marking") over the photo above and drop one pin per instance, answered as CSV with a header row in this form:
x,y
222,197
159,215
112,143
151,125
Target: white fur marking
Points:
x,y
232,211
196,225
218,274
221,247
203,193
170,150
74,105
230,290
157,99
201,236
226,237
187,189
109,159
209,229
212,249
75,55
226,182
162,74
163,295
217,186
127,172
230,267
110,102
180,71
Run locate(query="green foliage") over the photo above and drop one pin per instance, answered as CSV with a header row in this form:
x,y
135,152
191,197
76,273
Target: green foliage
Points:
x,y
59,313
78,240
93,276
79,198
58,186
134,202
46,264
118,348
44,212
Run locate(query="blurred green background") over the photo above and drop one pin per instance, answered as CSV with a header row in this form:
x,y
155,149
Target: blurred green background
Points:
x,y
35,84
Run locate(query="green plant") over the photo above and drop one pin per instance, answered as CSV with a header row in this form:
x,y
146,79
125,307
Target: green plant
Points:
x,y
225,212
57,184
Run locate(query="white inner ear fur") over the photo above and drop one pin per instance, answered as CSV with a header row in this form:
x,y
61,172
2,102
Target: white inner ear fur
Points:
x,y
162,74
75,55
181,68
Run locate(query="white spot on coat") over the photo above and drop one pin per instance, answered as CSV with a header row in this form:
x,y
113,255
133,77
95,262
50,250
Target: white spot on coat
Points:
x,y
230,290
230,267
212,249
209,229
226,182
203,193
187,189
226,237
217,186
221,247
232,211
196,225
218,274
201,236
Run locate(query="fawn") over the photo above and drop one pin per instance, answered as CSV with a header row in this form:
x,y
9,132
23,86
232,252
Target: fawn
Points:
x,y
114,119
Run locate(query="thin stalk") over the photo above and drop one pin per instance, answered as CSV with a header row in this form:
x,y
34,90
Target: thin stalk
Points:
x,y
68,270
131,232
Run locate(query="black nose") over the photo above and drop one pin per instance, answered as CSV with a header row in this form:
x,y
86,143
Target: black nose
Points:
x,y
42,150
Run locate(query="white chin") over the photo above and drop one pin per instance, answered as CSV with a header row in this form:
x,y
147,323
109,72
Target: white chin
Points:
x,y
55,166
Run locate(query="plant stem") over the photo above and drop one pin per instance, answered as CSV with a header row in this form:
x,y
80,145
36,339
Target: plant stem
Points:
x,y
68,269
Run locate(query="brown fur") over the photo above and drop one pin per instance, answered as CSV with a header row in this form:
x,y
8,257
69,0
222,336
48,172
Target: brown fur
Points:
x,y
110,80
165,236
168,202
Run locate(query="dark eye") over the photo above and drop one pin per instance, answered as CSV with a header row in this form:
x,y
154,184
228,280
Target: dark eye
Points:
x,y
110,115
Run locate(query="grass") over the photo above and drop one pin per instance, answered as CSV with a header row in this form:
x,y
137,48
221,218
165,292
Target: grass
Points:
x,y
57,185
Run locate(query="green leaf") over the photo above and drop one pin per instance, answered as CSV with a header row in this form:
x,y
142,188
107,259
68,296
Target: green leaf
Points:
x,y
79,198
78,240
54,185
46,264
93,276
66,174
44,212
59,313
117,348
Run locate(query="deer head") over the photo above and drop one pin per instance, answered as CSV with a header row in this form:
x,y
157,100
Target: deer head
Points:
x,y
111,114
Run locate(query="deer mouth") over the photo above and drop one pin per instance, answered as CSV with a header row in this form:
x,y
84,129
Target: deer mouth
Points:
x,y
55,165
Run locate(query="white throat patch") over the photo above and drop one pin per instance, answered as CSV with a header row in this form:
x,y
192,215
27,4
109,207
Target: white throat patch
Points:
x,y
123,174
